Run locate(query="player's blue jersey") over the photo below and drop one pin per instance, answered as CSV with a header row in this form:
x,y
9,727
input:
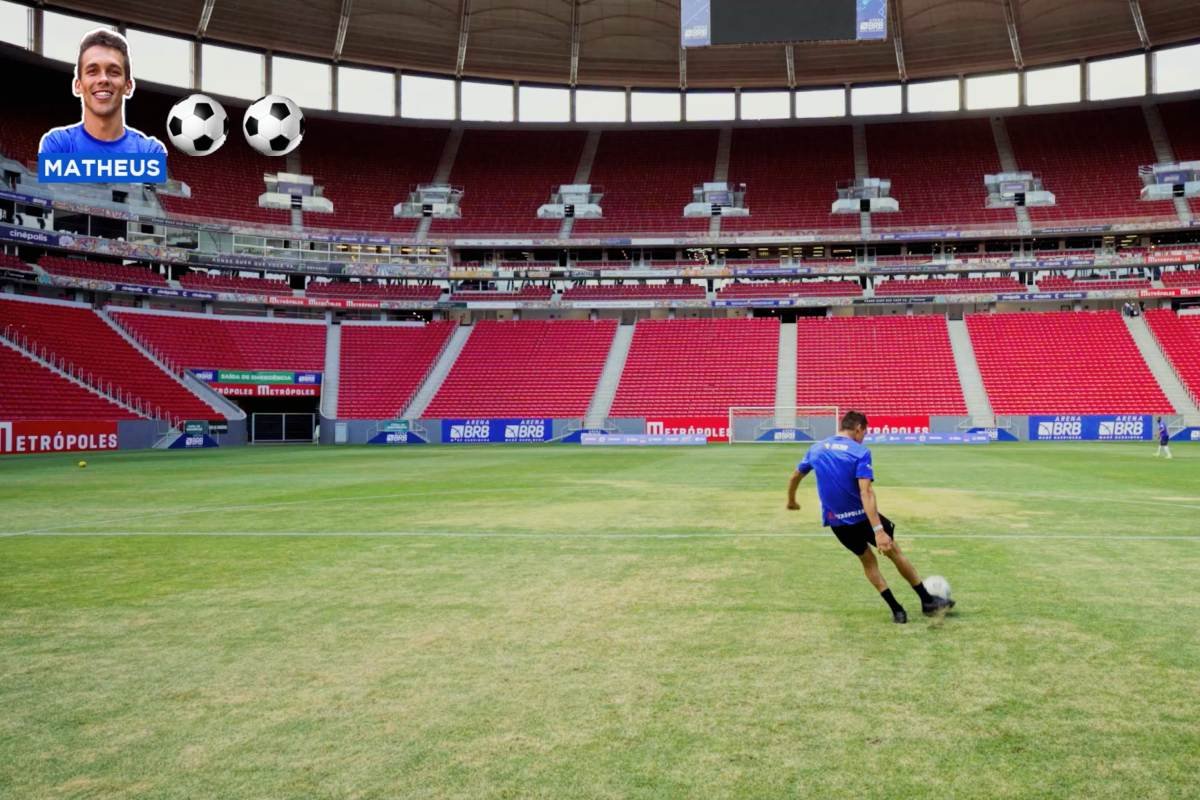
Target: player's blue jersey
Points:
x,y
1163,436
839,462
75,139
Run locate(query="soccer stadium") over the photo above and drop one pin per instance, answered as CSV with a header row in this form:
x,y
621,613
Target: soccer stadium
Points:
x,y
508,398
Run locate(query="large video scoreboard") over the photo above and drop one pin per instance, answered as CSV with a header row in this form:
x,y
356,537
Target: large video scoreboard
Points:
x,y
731,22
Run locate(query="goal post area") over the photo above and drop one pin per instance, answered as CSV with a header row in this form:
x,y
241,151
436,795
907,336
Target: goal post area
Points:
x,y
781,424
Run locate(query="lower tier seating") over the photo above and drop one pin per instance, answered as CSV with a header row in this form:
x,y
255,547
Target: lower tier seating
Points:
x,y
698,367
79,336
878,365
33,392
382,366
1063,362
526,369
205,341
1179,337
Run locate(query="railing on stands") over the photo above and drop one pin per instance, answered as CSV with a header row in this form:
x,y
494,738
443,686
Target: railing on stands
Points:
x,y
102,386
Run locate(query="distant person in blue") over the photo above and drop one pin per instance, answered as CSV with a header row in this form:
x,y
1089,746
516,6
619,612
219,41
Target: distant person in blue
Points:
x,y
1163,439
845,485
103,82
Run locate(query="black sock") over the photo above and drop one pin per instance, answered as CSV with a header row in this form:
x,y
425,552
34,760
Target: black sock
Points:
x,y
886,594
922,593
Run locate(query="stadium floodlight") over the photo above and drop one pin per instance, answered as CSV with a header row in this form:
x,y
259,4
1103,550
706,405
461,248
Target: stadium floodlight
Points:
x,y
781,423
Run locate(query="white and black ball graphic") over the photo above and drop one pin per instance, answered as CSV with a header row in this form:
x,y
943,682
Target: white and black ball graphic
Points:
x,y
274,125
197,125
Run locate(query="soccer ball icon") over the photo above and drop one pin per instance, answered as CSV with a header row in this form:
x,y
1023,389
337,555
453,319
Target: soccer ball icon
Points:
x,y
274,125
197,125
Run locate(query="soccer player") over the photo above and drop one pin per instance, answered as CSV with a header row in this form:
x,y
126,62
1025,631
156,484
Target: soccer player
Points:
x,y
103,81
845,485
1163,439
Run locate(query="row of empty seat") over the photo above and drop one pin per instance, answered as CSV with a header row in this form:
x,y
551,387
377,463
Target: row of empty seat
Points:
x,y
944,286
1083,362
221,282
347,290
100,271
195,341
631,291
80,337
773,289
1059,283
32,391
382,366
1179,337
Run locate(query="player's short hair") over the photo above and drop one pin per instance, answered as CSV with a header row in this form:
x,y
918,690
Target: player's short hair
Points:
x,y
853,419
103,38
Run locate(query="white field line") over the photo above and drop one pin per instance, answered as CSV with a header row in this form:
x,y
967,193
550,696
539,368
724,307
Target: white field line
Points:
x,y
633,535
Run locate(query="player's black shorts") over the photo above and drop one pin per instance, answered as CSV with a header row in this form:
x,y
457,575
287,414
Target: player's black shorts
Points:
x,y
857,537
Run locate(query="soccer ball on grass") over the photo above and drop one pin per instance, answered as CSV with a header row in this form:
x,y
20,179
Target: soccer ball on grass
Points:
x,y
937,586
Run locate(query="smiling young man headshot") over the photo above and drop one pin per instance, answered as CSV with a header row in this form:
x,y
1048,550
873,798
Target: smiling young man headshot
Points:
x,y
103,81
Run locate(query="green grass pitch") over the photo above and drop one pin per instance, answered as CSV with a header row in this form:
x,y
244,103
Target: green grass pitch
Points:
x,y
559,622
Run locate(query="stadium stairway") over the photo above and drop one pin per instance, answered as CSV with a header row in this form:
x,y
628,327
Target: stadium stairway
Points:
x,y
785,377
333,371
433,382
862,168
442,175
582,175
610,378
1008,162
1162,370
1164,152
197,387
969,377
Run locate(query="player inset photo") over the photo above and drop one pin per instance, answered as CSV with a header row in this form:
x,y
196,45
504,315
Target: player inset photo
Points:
x,y
103,82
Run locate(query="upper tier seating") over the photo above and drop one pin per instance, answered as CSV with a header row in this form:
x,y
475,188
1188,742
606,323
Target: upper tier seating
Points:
x,y
698,367
524,293
383,366
371,291
526,369
1177,279
32,391
232,283
507,176
942,286
205,341
11,262
78,335
647,177
367,169
99,271
226,184
1180,121
791,177
1063,362
772,289
1090,160
671,291
937,170
1060,283
900,365
1179,338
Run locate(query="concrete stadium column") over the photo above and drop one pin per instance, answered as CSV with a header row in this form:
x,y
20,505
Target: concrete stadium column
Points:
x,y
36,34
197,65
268,73
737,104
628,104
457,100
571,95
399,95
1083,80
333,87
516,103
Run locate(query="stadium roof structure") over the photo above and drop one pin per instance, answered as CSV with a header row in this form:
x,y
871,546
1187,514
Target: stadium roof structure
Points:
x,y
636,42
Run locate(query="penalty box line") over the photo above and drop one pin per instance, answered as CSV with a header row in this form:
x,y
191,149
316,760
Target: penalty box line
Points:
x,y
912,537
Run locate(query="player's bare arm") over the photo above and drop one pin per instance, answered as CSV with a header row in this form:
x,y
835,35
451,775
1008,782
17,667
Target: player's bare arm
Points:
x,y
866,488
793,485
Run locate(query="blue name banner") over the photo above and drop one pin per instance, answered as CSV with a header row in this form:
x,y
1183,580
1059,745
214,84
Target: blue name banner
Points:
x,y
102,168
495,431
872,20
928,438
396,438
192,441
1091,428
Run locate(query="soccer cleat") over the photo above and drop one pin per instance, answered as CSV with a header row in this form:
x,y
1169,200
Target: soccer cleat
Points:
x,y
936,605
900,617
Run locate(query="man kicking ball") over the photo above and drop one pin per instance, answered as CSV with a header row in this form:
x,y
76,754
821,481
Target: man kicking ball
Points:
x,y
845,479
